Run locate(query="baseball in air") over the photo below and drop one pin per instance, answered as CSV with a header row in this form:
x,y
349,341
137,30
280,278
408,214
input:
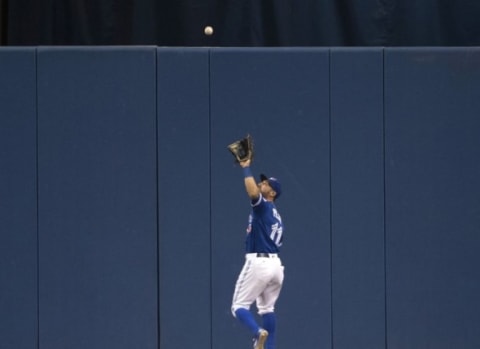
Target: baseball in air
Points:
x,y
208,30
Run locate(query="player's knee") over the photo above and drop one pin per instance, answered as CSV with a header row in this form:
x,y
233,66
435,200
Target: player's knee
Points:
x,y
235,307
265,310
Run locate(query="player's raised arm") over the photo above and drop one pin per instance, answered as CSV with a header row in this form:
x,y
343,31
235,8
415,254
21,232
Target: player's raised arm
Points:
x,y
250,185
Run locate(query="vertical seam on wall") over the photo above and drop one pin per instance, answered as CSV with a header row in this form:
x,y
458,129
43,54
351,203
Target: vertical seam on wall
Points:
x,y
384,201
37,196
210,191
330,185
157,194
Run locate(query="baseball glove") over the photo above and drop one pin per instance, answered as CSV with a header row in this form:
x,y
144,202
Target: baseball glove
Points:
x,y
242,149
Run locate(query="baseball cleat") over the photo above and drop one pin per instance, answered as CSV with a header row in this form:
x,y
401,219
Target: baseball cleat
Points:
x,y
259,342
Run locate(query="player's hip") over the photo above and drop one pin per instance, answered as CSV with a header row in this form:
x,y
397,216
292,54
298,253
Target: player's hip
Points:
x,y
262,255
265,261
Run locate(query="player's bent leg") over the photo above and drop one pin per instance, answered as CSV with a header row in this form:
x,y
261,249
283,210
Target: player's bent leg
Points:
x,y
250,284
242,300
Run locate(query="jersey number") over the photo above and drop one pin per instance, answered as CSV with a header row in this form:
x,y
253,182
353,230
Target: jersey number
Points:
x,y
276,234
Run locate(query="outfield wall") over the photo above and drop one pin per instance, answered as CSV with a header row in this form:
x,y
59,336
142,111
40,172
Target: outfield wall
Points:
x,y
122,214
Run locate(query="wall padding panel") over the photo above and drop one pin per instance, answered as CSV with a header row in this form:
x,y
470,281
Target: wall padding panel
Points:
x,y
123,215
184,198
97,198
432,101
358,265
282,100
18,199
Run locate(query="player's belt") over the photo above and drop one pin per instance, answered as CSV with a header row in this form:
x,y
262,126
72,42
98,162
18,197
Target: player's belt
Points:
x,y
267,255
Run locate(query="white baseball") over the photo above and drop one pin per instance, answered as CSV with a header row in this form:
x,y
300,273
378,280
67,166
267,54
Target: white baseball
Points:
x,y
208,30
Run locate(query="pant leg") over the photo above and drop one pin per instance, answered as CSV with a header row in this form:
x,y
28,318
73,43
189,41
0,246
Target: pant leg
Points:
x,y
250,284
267,299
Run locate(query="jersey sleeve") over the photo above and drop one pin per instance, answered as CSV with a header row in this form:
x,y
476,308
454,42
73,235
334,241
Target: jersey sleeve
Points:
x,y
256,201
258,204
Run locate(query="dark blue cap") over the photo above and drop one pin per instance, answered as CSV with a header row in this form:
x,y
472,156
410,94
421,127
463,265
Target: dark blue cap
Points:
x,y
274,183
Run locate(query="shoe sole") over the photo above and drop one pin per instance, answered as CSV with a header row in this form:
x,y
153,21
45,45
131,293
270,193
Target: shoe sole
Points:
x,y
261,340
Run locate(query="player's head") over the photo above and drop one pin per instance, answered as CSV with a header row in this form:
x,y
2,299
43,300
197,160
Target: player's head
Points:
x,y
270,187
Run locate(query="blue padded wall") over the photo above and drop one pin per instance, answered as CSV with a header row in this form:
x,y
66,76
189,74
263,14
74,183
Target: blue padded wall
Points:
x,y
358,265
18,200
275,97
184,198
432,101
97,198
123,215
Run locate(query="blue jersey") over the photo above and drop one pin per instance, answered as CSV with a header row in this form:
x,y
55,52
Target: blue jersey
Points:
x,y
265,228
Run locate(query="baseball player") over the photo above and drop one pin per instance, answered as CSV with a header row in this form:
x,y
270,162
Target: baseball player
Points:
x,y
261,277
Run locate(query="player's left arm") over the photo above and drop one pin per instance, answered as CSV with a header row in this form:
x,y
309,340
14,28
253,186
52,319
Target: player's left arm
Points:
x,y
250,185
